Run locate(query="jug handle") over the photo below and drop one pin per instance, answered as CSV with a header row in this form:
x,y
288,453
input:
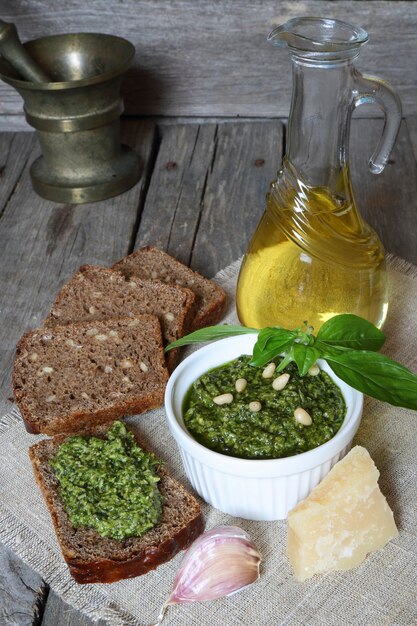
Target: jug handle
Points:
x,y
369,89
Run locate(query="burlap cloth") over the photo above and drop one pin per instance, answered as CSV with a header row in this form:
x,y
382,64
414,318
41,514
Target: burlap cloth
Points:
x,y
382,591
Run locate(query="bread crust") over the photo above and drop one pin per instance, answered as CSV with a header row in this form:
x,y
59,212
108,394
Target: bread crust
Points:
x,y
108,570
82,421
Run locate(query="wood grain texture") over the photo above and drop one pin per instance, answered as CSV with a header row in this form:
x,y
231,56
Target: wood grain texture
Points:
x,y
387,201
195,57
58,613
21,591
171,213
247,159
15,149
411,123
44,244
207,190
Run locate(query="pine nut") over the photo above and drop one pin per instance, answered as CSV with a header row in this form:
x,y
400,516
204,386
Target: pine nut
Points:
x,y
113,333
169,317
85,395
132,284
51,398
108,369
269,370
314,370
302,417
47,370
91,331
143,366
224,398
279,383
255,406
100,337
126,364
240,384
71,343
33,357
92,310
154,275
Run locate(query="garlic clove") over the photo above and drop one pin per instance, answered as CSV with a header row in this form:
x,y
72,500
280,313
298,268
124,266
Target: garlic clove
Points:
x,y
219,563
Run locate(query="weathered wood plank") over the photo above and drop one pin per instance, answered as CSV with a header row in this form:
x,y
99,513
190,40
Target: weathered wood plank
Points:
x,y
205,197
247,158
21,591
44,243
411,123
15,149
211,58
387,201
58,613
171,213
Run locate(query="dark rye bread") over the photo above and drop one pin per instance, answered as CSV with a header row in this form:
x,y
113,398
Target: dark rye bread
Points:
x,y
68,378
152,263
99,293
95,559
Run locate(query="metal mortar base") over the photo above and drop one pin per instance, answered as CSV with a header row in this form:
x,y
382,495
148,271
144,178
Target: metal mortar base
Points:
x,y
125,173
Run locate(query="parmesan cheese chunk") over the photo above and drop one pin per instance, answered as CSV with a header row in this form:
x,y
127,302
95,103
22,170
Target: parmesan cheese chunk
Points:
x,y
343,519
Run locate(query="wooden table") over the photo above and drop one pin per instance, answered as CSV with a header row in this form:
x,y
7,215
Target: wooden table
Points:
x,y
200,197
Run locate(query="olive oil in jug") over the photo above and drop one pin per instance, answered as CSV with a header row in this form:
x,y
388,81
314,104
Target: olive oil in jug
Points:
x,y
311,263
312,255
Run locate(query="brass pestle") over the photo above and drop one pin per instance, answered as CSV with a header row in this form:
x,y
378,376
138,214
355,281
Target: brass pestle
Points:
x,y
12,50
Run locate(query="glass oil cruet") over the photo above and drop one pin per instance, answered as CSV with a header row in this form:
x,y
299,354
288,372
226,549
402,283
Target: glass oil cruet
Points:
x,y
312,255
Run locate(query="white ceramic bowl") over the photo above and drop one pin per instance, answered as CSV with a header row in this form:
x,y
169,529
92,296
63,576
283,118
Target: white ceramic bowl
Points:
x,y
252,489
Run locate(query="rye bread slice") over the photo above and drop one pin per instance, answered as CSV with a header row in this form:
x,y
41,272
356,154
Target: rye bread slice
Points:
x,y
152,263
99,293
68,378
95,559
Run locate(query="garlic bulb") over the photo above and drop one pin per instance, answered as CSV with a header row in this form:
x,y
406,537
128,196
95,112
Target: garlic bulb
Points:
x,y
219,563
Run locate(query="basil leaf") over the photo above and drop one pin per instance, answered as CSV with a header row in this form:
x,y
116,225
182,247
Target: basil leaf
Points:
x,y
305,357
209,334
288,357
270,343
376,375
352,332
274,348
326,349
265,335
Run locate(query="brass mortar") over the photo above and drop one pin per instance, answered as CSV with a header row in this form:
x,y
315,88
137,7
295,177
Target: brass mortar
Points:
x,y
77,118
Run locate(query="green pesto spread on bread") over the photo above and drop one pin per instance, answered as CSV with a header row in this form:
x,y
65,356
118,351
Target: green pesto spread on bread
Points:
x,y
109,484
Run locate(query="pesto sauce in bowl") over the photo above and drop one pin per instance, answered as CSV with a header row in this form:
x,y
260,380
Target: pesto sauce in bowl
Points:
x,y
109,484
271,433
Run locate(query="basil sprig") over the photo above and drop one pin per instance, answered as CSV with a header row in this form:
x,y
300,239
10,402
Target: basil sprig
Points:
x,y
347,342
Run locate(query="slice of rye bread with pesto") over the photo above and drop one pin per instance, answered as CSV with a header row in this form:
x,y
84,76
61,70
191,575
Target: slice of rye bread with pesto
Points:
x,y
152,263
95,559
99,293
69,378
